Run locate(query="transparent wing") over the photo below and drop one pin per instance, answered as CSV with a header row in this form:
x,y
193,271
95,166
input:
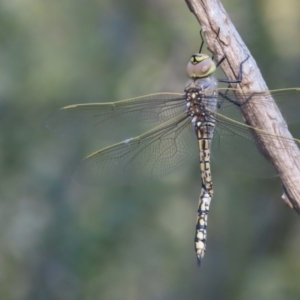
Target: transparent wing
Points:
x,y
138,160
288,101
118,118
234,146
166,146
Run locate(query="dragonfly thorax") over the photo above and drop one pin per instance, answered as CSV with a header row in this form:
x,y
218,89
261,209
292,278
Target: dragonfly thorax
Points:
x,y
199,105
207,83
200,65
200,91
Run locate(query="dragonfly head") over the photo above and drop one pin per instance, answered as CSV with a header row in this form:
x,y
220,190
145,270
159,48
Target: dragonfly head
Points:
x,y
200,65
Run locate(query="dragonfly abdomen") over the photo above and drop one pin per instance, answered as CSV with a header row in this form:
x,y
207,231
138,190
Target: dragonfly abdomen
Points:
x,y
201,223
204,131
204,124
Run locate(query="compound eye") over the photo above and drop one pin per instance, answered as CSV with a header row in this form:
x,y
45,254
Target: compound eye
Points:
x,y
200,65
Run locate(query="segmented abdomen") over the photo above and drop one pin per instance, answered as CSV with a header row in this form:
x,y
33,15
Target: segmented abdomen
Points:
x,y
204,131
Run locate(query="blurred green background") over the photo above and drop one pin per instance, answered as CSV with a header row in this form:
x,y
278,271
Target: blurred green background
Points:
x,y
62,240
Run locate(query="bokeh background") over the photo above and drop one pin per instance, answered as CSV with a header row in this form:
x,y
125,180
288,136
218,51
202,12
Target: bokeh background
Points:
x,y
62,240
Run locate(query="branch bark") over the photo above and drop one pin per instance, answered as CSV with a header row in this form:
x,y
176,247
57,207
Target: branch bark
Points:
x,y
212,18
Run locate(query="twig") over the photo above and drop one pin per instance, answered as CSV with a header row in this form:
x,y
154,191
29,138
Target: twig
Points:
x,y
212,18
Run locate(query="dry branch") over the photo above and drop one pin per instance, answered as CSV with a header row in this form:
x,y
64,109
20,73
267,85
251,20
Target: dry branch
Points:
x,y
212,17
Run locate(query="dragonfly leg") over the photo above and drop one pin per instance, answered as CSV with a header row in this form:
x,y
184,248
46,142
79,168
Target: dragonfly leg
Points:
x,y
202,41
213,55
240,104
240,75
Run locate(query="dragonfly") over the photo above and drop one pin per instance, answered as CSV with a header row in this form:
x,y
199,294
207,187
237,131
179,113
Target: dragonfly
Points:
x,y
204,117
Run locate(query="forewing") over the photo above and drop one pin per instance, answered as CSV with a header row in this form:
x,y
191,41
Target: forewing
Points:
x,y
122,118
287,100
